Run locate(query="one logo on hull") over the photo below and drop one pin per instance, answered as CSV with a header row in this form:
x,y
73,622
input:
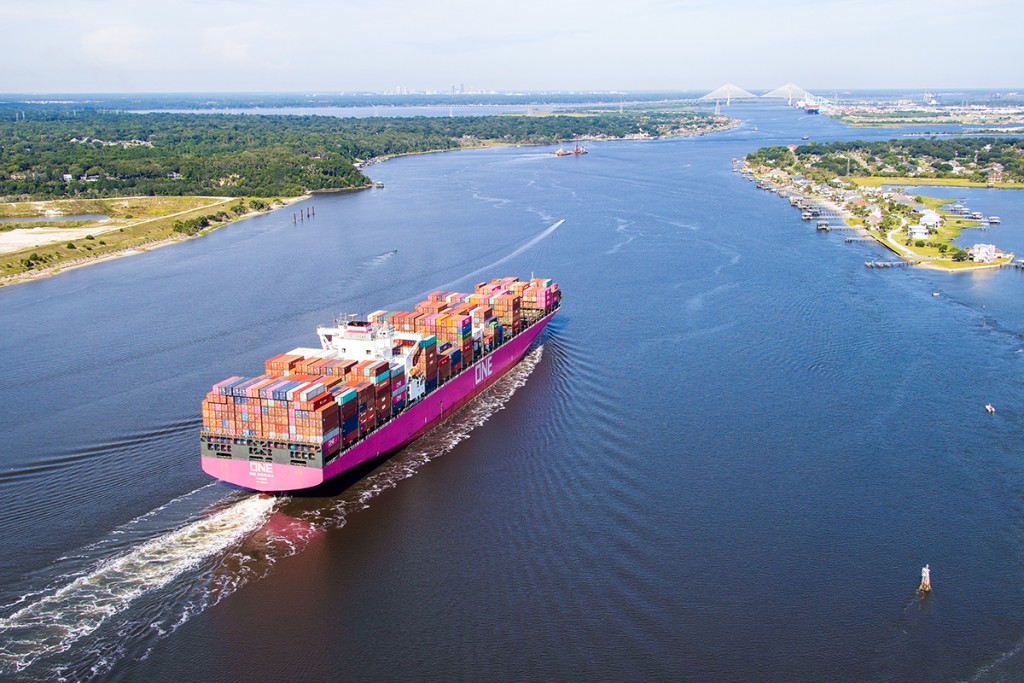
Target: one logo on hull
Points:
x,y
483,370
261,470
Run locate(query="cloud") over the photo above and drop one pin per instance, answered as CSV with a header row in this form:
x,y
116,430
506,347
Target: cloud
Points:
x,y
249,44
117,43
231,44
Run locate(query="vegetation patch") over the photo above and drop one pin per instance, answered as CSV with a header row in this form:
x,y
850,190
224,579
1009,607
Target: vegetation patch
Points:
x,y
93,154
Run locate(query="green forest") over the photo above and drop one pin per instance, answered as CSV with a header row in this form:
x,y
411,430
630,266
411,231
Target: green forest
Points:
x,y
90,154
983,159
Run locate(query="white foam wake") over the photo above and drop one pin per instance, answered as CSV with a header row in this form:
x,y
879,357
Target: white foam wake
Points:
x,y
507,257
438,442
54,621
66,618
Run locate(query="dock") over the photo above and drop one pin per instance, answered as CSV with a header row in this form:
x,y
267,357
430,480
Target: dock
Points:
x,y
888,264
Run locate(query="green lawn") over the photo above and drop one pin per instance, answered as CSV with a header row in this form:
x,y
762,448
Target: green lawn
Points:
x,y
878,181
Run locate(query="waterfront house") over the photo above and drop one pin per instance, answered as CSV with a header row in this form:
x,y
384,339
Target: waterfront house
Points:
x,y
931,219
918,232
983,253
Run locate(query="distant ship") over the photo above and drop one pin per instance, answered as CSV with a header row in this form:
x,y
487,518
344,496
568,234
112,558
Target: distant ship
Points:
x,y
563,152
809,106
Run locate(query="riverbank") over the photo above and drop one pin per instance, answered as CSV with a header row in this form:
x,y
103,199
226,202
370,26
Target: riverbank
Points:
x,y
23,262
879,215
134,237
720,124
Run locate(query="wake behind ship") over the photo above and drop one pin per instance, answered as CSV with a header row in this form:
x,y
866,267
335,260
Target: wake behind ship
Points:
x,y
374,386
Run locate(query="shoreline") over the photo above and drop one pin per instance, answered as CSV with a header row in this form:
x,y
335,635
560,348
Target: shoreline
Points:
x,y
733,123
58,268
911,258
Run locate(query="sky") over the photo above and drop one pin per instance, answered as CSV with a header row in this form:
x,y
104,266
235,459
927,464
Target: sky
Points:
x,y
329,46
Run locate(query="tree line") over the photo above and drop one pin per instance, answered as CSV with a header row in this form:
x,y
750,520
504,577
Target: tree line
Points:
x,y
976,158
51,154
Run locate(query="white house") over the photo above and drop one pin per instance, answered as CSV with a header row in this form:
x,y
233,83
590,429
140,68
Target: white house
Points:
x,y
931,219
983,253
918,232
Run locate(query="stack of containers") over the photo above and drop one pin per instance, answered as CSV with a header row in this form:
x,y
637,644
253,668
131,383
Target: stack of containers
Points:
x,y
481,314
541,297
347,399
426,324
508,309
405,321
492,334
455,298
454,354
430,306
444,365
340,368
379,375
270,407
366,405
399,388
282,364
426,361
457,329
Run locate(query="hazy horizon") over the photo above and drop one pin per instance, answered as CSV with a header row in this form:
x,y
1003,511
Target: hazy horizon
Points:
x,y
239,46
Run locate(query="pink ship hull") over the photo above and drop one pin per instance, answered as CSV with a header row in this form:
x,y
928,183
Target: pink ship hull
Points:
x,y
413,422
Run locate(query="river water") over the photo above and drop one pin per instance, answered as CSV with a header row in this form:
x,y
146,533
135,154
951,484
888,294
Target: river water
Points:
x,y
728,459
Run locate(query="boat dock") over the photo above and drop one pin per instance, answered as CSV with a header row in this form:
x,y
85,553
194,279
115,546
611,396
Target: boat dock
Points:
x,y
888,264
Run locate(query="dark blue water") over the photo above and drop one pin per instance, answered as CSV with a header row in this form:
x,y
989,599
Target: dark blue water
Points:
x,y
728,460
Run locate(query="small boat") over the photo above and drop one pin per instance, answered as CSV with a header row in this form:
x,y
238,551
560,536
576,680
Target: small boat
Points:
x,y
990,408
935,293
562,152
805,137
994,220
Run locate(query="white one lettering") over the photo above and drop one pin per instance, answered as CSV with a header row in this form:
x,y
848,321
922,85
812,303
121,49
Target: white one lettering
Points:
x,y
483,370
261,468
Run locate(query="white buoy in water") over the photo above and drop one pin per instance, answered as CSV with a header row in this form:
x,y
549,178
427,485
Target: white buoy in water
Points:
x,y
926,580
990,408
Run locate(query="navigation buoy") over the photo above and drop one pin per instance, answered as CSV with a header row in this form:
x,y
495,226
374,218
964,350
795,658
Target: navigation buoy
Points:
x,y
926,580
990,408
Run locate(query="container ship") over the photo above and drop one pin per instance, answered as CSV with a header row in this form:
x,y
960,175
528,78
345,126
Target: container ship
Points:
x,y
374,386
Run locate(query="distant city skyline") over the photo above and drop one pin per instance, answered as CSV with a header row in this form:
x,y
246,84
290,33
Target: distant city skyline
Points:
x,y
452,45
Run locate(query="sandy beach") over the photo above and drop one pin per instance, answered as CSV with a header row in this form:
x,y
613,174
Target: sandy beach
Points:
x,y
22,238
